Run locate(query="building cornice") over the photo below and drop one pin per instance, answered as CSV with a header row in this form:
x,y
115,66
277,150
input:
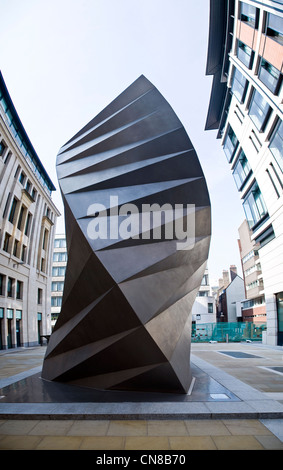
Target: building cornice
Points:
x,y
21,130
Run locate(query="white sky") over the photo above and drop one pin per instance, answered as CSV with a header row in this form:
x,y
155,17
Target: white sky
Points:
x,y
63,61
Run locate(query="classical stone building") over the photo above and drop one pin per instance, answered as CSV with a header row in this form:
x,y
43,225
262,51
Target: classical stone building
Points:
x,y
27,228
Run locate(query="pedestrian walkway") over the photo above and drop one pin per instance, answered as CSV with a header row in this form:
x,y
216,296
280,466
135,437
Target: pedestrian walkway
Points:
x,y
137,435
252,372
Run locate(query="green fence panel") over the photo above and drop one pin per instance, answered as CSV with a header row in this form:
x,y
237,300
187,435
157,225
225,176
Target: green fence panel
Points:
x,y
232,332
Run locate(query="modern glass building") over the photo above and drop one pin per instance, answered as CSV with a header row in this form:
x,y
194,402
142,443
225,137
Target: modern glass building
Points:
x,y
27,228
245,58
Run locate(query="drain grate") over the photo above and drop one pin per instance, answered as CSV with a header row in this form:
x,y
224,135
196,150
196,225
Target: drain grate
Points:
x,y
239,354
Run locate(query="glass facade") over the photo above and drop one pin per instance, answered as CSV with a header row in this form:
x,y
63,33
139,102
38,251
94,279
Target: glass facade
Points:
x,y
242,169
248,14
276,144
270,76
254,206
259,110
245,54
275,27
230,144
239,85
236,332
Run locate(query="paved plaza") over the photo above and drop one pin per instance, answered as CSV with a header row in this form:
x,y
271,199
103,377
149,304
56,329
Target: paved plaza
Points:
x,y
236,403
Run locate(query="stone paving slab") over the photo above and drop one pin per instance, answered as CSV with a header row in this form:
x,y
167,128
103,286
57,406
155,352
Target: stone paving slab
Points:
x,y
183,435
250,419
250,403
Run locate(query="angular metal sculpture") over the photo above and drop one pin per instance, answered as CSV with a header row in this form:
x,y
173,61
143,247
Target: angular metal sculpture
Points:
x,y
125,322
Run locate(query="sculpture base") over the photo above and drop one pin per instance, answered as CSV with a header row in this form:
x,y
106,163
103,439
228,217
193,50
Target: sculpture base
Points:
x,y
35,390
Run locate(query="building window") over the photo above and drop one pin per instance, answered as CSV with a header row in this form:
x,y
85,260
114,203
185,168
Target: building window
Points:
x,y
28,224
60,257
245,54
60,243
19,314
274,27
254,206
16,248
28,186
204,281
39,296
33,194
252,269
13,210
24,251
210,307
7,205
1,284
10,287
59,271
259,110
2,148
276,144
57,286
249,14
7,158
249,256
22,178
230,144
17,171
20,221
242,170
19,293
6,246
45,239
56,301
203,293
270,76
239,85
266,236
10,313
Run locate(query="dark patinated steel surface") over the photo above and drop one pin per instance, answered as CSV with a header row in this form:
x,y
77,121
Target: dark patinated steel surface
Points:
x,y
125,322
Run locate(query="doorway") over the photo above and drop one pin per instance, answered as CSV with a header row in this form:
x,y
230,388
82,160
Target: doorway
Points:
x,y
9,335
1,344
18,333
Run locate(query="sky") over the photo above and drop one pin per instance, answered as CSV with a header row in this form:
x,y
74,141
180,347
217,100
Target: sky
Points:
x,y
63,61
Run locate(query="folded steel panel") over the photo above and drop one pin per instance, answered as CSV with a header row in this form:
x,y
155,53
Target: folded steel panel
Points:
x,y
125,321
